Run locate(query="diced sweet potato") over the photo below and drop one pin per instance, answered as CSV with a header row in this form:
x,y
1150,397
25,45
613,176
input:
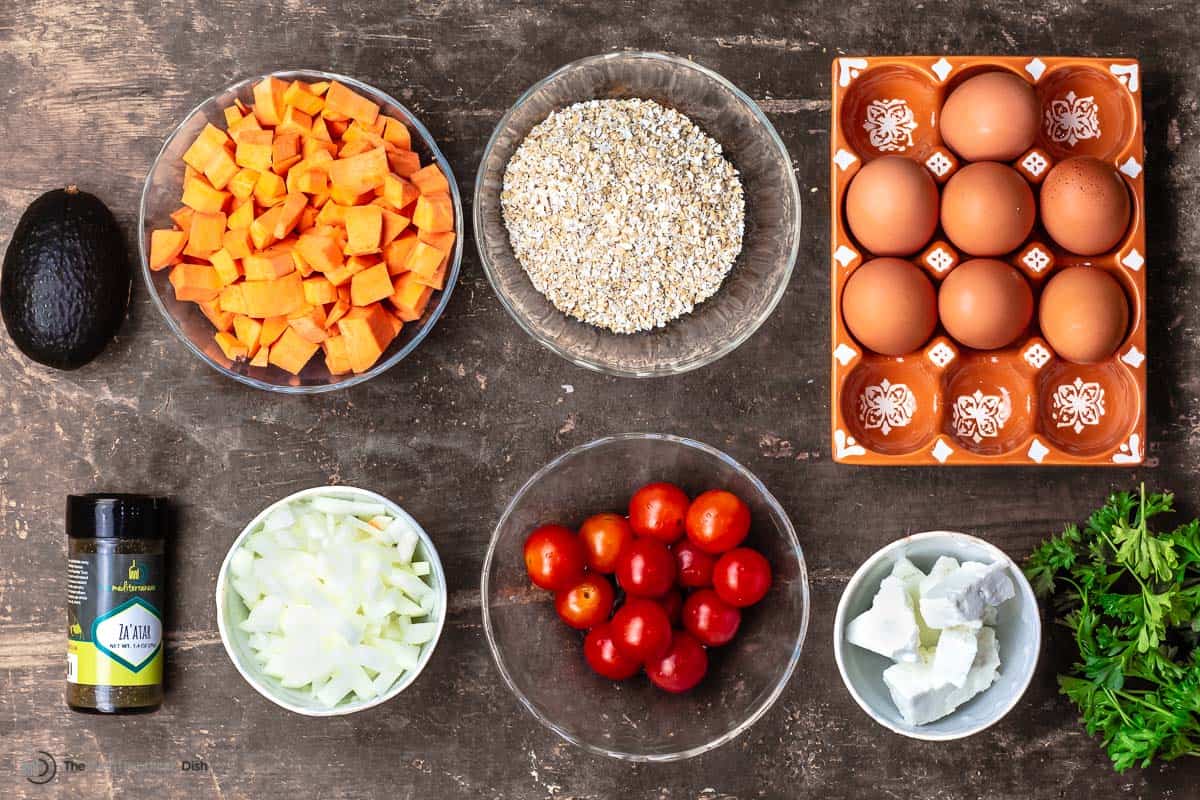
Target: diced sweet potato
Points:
x,y
404,162
195,282
318,291
289,214
221,169
205,235
393,225
242,184
430,180
254,149
337,360
210,141
228,269
396,254
261,358
399,192
309,323
166,247
364,230
272,329
292,351
371,285
285,152
367,333
248,331
267,265
268,100
200,195
242,218
435,281
296,121
262,230
396,132
360,173
233,349
434,213
279,297
342,100
221,320
233,299
410,296
301,97
182,217
270,190
323,253
336,312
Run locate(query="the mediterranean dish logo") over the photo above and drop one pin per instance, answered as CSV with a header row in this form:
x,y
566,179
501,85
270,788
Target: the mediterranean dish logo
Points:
x,y
136,580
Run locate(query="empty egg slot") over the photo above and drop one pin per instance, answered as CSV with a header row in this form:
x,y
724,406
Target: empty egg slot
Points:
x,y
892,405
1086,409
990,402
891,110
1085,112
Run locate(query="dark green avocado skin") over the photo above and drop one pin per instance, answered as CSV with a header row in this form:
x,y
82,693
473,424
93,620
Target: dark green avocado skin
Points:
x,y
65,285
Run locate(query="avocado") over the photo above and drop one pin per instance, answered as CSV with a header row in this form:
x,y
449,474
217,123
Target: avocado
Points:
x,y
65,285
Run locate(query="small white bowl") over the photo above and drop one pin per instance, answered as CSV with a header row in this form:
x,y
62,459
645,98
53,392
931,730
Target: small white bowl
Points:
x,y
1018,633
231,611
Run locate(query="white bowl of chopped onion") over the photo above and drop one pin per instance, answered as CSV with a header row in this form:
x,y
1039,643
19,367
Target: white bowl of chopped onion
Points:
x,y
331,601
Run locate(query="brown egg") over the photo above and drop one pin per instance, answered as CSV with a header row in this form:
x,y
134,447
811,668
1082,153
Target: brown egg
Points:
x,y
987,209
1085,205
985,304
991,117
1083,314
889,306
892,206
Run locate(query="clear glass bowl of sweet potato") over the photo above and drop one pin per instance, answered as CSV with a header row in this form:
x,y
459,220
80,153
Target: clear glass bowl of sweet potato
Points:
x,y
300,231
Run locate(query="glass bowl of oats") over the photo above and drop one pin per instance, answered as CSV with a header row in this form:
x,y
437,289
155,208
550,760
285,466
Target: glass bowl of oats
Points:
x,y
637,214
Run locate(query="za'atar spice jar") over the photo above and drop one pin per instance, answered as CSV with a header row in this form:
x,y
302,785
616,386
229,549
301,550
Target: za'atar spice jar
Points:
x,y
116,587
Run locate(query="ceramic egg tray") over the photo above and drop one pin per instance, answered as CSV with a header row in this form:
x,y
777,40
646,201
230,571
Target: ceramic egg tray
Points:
x,y
946,404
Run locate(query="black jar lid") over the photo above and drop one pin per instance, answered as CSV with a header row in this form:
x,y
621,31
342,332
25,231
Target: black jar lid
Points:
x,y
116,516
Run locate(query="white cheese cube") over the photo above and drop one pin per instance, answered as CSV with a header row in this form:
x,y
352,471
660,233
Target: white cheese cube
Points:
x,y
920,694
942,568
908,574
955,654
961,597
890,626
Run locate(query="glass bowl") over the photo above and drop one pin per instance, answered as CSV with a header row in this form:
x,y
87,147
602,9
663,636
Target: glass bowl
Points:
x,y
160,196
541,659
759,276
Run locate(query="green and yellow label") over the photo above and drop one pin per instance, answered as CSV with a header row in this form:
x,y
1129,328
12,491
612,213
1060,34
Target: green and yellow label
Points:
x,y
114,621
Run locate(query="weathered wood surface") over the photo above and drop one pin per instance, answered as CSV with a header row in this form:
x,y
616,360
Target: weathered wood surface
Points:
x,y
89,90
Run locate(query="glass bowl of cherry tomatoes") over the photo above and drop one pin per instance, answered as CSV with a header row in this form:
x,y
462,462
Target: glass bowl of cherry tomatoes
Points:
x,y
645,597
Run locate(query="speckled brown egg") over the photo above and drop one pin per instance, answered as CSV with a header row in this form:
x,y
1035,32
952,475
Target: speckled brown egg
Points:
x,y
987,209
892,206
985,304
991,117
889,306
1085,205
1083,314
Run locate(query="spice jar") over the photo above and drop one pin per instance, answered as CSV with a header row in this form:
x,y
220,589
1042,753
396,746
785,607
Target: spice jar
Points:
x,y
116,586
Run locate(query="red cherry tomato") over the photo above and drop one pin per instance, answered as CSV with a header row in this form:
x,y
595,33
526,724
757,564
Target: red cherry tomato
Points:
x,y
554,557
692,565
587,603
646,568
682,667
672,603
657,510
741,577
604,537
710,619
717,521
602,654
641,630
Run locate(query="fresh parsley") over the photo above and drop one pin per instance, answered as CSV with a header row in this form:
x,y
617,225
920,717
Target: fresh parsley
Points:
x,y
1131,597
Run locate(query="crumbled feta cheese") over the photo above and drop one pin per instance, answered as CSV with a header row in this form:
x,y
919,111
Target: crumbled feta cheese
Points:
x,y
889,627
955,653
961,597
922,696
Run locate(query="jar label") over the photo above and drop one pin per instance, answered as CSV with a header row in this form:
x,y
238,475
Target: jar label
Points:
x,y
114,621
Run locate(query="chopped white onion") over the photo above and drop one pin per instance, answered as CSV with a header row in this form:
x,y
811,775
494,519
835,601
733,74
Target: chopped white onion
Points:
x,y
332,592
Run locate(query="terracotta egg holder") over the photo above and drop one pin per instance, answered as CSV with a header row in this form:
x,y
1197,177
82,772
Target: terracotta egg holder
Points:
x,y
946,404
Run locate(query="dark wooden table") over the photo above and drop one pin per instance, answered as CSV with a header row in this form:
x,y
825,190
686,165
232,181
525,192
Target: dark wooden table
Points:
x,y
89,90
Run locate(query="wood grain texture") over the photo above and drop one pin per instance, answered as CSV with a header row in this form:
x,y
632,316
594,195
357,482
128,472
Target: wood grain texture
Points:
x,y
90,89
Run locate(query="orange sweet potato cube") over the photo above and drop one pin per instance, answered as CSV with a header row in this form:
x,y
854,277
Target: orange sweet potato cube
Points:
x,y
393,225
396,253
399,192
360,173
319,291
270,190
228,269
233,349
248,331
200,195
207,231
261,358
285,151
409,297
301,97
279,297
221,169
232,299
364,230
221,320
182,217
434,213
295,120
289,214
404,162
337,359
395,132
242,217
267,265
268,100
242,184
310,324
195,282
166,247
292,351
430,180
321,252
254,150
262,230
424,260
341,100
367,333
211,140
371,285
272,329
